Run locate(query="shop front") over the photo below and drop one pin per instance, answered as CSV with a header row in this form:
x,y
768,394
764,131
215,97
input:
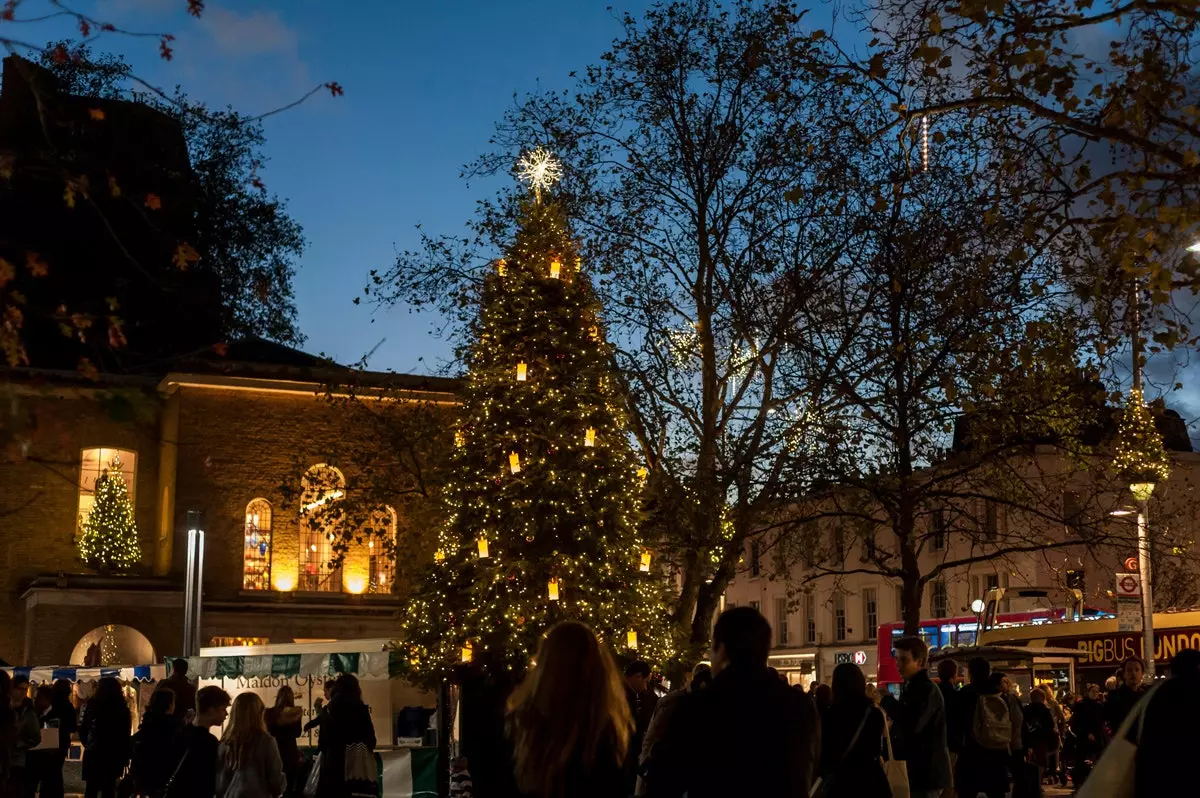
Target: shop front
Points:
x,y
798,667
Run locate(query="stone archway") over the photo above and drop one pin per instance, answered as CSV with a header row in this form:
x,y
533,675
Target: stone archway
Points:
x,y
113,644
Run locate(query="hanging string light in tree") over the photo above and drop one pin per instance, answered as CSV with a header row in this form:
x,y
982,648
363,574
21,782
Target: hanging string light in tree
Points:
x,y
467,652
555,269
514,462
925,142
589,437
552,588
540,169
631,640
522,370
644,567
460,438
109,539
483,547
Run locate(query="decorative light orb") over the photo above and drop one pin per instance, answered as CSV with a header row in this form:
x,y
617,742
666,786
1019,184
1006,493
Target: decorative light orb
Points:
x,y
356,584
977,606
522,371
645,565
514,462
540,169
284,583
483,548
555,269
589,438
552,589
631,639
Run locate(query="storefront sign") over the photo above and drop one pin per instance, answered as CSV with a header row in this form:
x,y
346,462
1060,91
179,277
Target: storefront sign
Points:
x,y
1112,649
850,658
792,663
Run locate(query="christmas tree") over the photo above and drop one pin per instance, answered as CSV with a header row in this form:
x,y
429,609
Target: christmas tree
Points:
x,y
109,540
544,496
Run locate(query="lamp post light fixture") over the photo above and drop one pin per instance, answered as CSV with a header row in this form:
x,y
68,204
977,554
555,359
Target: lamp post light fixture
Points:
x,y
1141,493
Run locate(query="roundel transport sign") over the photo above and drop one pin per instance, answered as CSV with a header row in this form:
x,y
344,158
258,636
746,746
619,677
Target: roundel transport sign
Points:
x,y
1127,585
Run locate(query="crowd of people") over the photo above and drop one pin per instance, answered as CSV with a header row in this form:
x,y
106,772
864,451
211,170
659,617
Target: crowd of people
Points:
x,y
579,730
174,752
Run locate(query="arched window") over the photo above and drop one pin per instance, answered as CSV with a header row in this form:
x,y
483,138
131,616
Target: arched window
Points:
x,y
256,557
323,486
93,463
381,551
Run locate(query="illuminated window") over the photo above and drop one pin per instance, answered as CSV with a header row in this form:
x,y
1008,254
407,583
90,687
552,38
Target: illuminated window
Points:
x,y
256,557
320,521
95,462
381,548
224,642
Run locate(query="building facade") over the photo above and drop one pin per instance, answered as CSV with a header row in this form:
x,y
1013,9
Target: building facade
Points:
x,y
837,610
244,442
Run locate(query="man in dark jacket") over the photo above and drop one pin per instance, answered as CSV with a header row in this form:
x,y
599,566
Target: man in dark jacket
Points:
x,y
181,686
747,734
1171,732
195,775
920,728
1120,702
980,769
642,703
948,687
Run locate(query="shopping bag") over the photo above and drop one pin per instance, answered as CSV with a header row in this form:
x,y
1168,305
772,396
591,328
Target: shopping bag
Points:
x,y
314,778
896,769
1113,774
361,772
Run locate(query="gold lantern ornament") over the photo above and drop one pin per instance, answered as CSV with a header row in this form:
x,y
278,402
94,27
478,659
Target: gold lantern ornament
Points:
x,y
555,269
514,462
467,652
631,639
483,548
439,556
552,588
522,371
502,267
589,437
642,473
460,438
645,564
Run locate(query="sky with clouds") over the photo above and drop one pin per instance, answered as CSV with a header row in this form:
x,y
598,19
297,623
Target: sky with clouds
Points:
x,y
424,84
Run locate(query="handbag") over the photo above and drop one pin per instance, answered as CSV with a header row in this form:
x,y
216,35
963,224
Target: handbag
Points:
x,y
896,770
820,786
361,771
172,789
314,778
1113,775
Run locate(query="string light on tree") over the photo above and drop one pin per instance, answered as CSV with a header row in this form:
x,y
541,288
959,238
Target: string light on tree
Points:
x,y
548,480
109,539
1141,457
925,142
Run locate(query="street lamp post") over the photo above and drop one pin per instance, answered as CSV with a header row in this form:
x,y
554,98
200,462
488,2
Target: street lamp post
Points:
x,y
1141,493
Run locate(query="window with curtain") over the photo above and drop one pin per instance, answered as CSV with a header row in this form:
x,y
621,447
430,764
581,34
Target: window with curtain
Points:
x,y
256,554
95,461
781,621
870,613
322,487
810,619
939,600
839,616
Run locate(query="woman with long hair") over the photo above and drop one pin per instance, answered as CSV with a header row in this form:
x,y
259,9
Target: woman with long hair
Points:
x,y
569,720
347,745
283,723
248,759
105,732
851,732
156,744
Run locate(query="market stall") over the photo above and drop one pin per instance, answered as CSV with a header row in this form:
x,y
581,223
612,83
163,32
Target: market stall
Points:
x,y
408,761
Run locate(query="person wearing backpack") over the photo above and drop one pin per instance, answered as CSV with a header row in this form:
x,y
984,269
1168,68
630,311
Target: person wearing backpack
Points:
x,y
986,725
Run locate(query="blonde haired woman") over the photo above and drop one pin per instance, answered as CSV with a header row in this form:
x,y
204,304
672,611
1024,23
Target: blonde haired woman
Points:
x,y
248,759
569,720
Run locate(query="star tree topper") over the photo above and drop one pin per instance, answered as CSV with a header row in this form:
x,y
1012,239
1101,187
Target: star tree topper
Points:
x,y
540,169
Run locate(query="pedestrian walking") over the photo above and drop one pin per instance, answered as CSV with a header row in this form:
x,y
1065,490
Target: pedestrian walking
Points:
x,y
45,766
748,734
105,732
948,687
701,678
195,773
182,687
283,723
987,740
156,745
851,733
1120,701
822,698
347,745
570,720
1054,765
1087,731
920,726
1038,735
642,703
8,734
248,758
1171,732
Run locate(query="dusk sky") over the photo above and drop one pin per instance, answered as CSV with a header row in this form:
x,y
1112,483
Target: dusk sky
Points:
x,y
424,84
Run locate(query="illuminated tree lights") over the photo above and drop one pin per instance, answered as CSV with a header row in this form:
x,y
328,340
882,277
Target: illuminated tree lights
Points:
x,y
109,537
545,493
1140,457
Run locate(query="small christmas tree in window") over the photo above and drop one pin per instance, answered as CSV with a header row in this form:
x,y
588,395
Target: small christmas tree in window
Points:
x,y
109,541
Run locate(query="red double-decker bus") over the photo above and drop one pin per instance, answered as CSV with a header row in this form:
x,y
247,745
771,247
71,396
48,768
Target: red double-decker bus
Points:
x,y
943,632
